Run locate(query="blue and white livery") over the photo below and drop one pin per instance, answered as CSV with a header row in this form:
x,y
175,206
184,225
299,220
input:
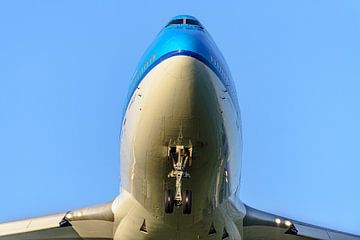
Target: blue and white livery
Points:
x,y
180,151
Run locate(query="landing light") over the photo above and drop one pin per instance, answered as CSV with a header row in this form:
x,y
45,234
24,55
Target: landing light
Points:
x,y
78,214
287,223
277,220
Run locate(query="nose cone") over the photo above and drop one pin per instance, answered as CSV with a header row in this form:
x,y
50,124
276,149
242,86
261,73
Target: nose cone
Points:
x,y
184,40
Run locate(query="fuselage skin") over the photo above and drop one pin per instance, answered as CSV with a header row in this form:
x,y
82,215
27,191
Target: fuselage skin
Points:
x,y
182,88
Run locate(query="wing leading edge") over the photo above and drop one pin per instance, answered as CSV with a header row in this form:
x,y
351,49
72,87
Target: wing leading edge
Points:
x,y
261,225
92,222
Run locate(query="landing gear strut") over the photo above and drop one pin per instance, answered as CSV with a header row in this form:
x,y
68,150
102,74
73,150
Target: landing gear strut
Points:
x,y
181,157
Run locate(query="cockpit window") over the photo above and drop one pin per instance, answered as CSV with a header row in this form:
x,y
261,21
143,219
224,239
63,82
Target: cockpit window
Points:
x,y
176,21
193,22
184,21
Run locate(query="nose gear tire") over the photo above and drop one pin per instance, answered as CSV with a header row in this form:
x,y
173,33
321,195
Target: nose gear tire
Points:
x,y
187,202
169,201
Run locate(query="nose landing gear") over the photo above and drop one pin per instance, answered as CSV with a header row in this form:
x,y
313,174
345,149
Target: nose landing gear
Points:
x,y
187,202
181,156
169,201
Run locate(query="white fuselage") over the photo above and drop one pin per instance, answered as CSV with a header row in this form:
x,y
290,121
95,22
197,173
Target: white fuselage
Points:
x,y
181,96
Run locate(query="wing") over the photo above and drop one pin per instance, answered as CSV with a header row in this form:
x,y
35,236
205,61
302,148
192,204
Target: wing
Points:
x,y
261,225
92,222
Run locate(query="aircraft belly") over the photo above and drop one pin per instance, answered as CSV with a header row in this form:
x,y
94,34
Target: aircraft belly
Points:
x,y
132,227
179,97
181,102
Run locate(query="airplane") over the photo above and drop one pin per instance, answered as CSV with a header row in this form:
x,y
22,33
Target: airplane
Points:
x,y
180,157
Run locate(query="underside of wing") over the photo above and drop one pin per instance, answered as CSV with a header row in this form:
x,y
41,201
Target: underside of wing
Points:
x,y
261,225
92,222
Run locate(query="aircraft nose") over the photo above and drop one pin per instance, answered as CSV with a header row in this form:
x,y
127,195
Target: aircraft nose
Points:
x,y
186,83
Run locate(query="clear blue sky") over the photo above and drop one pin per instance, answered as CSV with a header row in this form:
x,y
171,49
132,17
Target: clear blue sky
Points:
x,y
64,71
